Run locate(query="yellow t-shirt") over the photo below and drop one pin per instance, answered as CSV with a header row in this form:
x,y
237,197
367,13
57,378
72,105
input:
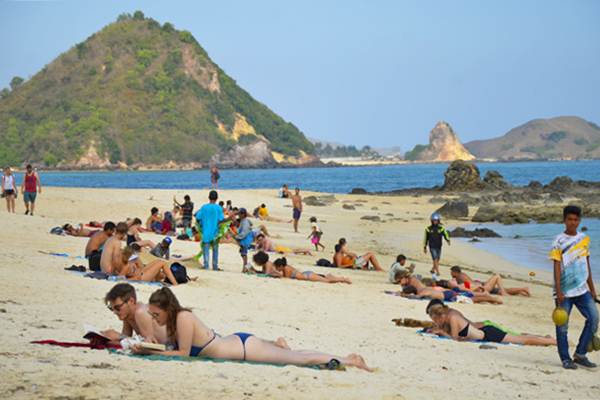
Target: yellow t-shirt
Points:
x,y
263,212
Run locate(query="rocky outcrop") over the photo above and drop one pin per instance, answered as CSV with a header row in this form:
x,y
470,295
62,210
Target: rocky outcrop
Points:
x,y
256,154
495,180
443,146
462,176
358,191
477,232
454,210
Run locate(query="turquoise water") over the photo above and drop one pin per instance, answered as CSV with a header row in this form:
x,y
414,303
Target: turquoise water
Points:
x,y
336,180
532,248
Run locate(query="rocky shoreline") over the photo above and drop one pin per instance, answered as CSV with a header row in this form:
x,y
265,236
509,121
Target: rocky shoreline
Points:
x,y
495,200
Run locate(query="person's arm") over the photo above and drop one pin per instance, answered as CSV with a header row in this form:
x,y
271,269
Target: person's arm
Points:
x,y
446,235
425,240
23,184
145,326
272,271
560,297
590,280
39,182
176,202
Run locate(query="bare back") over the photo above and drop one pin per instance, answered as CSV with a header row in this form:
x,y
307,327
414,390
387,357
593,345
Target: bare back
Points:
x,y
111,256
96,241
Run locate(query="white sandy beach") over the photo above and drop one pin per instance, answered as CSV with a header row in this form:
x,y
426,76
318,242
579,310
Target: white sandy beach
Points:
x,y
39,300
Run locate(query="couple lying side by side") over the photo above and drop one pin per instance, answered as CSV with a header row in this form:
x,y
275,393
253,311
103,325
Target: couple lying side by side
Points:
x,y
280,269
165,321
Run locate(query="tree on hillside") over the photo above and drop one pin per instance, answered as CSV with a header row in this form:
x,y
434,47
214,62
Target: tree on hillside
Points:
x,y
16,82
138,15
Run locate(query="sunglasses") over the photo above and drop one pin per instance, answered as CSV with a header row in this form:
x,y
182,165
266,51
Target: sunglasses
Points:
x,y
116,307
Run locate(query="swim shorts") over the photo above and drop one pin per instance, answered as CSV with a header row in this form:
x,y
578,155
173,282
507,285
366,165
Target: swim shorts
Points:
x,y
360,262
436,253
94,260
244,250
296,213
29,197
493,334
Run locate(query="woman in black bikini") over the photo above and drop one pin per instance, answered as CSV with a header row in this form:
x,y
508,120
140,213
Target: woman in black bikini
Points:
x,y
195,339
451,323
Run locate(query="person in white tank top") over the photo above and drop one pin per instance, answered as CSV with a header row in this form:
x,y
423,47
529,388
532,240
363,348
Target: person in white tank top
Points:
x,y
9,191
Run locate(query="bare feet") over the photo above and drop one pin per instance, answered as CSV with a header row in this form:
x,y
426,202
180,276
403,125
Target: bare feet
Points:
x,y
281,342
354,360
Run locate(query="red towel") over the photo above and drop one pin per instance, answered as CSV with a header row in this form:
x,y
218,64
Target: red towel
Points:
x,y
96,346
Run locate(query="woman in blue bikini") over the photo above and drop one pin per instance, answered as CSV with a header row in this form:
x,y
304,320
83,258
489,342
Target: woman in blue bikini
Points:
x,y
195,339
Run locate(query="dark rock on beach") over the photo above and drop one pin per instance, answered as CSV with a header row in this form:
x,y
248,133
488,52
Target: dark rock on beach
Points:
x,y
373,218
454,209
462,176
358,191
560,184
535,185
478,232
495,180
348,207
320,201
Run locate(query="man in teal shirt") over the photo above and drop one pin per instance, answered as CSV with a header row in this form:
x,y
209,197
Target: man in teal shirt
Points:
x,y
209,217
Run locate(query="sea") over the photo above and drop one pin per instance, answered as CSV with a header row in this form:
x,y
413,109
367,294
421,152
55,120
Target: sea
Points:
x,y
529,250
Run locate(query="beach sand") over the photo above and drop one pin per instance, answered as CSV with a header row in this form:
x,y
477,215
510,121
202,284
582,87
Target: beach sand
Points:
x,y
39,300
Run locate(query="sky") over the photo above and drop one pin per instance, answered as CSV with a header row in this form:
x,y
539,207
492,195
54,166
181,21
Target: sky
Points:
x,y
358,72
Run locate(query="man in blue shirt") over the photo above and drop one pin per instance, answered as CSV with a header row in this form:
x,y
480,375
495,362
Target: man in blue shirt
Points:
x,y
209,217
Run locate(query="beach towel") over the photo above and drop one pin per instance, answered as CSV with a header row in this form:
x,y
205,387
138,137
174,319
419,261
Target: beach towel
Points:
x,y
77,344
457,299
423,332
51,253
158,357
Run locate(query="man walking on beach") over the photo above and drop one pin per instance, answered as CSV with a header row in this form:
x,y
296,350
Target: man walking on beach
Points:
x,y
30,188
433,237
297,205
574,286
209,217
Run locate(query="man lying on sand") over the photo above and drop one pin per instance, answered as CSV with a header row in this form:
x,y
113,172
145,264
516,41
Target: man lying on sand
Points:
x,y
94,246
195,339
343,258
452,323
122,301
447,295
494,285
110,261
265,244
280,269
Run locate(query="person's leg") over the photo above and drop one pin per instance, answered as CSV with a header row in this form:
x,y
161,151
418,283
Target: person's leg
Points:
x,y
524,291
486,298
336,279
13,203
370,257
150,272
562,333
260,350
7,198
530,340
205,253
587,307
25,197
215,256
295,225
32,207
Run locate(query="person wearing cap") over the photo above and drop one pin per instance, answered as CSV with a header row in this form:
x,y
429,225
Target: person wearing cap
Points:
x,y
163,249
433,237
209,217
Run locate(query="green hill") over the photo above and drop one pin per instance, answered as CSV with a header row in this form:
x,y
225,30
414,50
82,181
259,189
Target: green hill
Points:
x,y
554,138
140,93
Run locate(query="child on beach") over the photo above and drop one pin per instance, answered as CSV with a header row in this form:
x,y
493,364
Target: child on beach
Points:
x,y
574,286
315,234
154,221
433,237
245,237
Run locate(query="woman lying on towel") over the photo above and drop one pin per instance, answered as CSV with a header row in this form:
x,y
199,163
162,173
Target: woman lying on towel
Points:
x,y
437,293
134,269
280,269
451,323
193,338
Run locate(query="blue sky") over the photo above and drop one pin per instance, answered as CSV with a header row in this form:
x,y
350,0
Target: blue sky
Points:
x,y
362,72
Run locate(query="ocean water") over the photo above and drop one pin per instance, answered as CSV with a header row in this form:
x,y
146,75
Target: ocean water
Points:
x,y
336,180
530,250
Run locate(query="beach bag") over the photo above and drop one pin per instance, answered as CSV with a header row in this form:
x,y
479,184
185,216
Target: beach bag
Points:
x,y
324,263
57,230
179,272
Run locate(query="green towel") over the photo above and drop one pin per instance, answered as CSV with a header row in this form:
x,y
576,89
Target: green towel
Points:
x,y
158,357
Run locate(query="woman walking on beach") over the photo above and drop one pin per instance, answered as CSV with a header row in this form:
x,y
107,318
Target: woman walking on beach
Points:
x,y
9,189
214,177
193,338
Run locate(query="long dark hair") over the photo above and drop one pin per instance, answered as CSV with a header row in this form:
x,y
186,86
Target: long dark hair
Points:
x,y
166,300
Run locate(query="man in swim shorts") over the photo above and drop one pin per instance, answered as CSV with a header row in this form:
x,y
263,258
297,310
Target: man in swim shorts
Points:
x,y
297,208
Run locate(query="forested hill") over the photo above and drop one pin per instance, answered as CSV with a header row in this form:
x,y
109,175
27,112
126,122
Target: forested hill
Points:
x,y
137,92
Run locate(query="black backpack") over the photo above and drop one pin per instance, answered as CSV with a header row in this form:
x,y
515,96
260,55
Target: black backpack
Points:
x,y
324,263
179,272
